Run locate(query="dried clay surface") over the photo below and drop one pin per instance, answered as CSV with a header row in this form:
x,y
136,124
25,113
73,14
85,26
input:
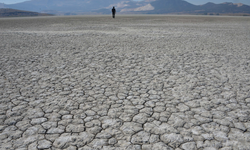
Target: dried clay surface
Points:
x,y
133,82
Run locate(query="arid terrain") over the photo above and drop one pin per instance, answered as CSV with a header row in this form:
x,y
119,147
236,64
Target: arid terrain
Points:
x,y
133,82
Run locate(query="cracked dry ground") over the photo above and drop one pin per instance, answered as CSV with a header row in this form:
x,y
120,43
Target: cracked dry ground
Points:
x,y
134,82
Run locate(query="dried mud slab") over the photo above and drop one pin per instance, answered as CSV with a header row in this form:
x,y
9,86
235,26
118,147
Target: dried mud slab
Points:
x,y
134,82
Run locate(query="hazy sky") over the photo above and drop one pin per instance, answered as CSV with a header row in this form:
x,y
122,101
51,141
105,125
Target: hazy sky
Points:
x,y
197,2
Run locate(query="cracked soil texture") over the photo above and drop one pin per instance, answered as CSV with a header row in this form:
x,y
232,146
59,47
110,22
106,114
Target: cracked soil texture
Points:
x,y
134,82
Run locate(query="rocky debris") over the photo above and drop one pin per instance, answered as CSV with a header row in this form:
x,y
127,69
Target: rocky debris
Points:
x,y
155,82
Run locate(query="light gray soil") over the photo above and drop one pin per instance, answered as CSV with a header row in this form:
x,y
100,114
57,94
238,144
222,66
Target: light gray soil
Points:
x,y
134,82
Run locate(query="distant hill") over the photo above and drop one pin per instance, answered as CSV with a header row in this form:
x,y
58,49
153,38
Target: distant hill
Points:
x,y
6,12
224,8
183,7
63,6
2,5
180,7
71,7
172,6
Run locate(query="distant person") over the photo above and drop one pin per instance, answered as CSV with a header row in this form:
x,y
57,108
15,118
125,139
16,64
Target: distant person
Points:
x,y
113,12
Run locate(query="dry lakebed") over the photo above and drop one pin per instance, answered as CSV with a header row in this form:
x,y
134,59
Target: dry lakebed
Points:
x,y
151,82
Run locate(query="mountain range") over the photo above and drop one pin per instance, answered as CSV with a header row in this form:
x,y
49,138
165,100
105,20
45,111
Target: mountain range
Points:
x,y
71,7
6,12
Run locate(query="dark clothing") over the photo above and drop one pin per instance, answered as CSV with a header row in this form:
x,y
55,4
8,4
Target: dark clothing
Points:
x,y
113,12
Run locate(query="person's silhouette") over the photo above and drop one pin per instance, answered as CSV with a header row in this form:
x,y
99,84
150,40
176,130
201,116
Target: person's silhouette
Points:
x,y
113,12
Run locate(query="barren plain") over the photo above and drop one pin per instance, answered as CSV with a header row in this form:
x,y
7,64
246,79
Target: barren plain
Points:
x,y
133,82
